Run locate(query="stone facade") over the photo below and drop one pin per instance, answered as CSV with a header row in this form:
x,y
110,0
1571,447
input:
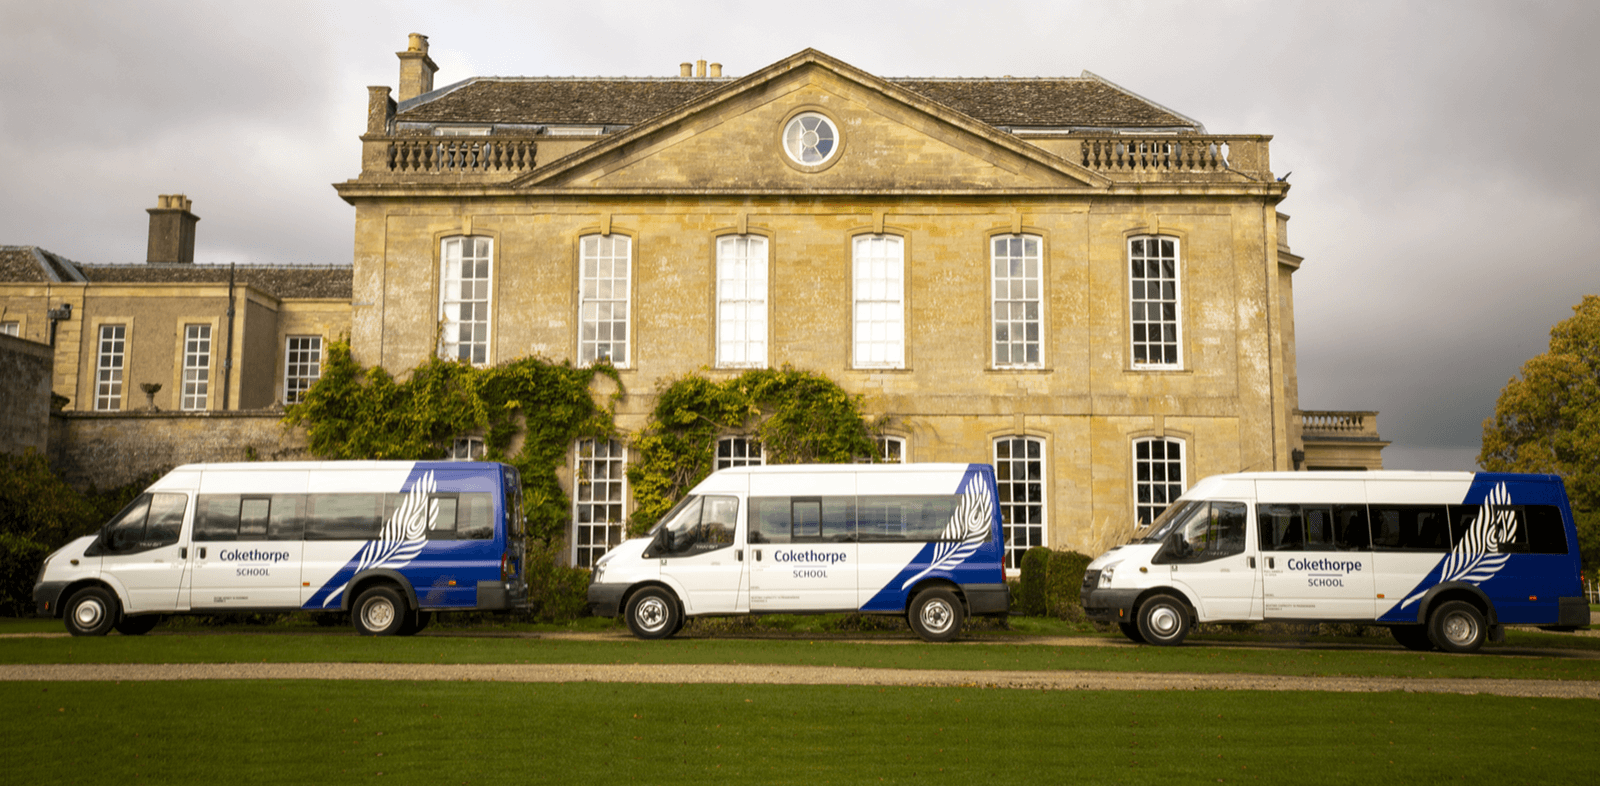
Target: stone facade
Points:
x,y
110,450
213,337
24,395
534,171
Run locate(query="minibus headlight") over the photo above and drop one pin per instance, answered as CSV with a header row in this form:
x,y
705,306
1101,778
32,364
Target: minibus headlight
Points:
x,y
1106,572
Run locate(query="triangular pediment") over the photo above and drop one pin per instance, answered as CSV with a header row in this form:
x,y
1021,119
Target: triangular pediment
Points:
x,y
888,139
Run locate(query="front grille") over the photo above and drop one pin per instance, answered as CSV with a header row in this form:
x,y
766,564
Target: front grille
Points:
x,y
1091,579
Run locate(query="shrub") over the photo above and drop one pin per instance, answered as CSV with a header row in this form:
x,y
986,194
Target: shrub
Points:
x,y
1052,583
556,593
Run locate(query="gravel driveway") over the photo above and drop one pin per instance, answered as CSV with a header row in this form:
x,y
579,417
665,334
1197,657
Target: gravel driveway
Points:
x,y
790,675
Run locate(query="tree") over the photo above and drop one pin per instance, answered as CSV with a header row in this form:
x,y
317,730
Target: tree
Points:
x,y
1549,420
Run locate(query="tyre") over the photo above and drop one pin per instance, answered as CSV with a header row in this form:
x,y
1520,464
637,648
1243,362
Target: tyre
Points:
x,y
1412,637
379,611
91,611
936,615
653,613
137,626
1457,626
1163,621
414,622
1131,630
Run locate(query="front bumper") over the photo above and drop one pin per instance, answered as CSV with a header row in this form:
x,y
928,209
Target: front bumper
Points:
x,y
1109,605
605,600
47,598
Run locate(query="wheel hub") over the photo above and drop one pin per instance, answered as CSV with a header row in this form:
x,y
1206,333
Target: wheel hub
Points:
x,y
936,616
651,614
1164,620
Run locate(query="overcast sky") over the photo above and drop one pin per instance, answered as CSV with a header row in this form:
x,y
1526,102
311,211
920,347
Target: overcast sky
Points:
x,y
1445,187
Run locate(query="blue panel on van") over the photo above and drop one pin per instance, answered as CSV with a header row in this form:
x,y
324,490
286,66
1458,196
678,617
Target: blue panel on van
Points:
x,y
1523,587
430,566
969,553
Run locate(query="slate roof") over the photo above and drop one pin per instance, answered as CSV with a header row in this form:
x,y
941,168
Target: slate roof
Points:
x,y
1039,102
304,281
23,264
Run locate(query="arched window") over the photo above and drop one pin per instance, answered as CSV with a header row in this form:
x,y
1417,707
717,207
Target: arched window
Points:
x,y
1019,473
1158,476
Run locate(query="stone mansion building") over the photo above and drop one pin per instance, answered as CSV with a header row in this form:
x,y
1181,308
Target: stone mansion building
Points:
x,y
1054,275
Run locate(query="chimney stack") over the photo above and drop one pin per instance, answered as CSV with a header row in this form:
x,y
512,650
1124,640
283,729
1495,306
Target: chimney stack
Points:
x,y
416,68
700,68
716,69
171,231
686,70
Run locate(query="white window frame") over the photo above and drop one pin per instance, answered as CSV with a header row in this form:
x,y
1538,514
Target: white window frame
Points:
x,y
740,452
1153,494
878,314
1146,311
599,498
1016,283
466,449
891,449
470,296
1033,533
300,373
196,392
601,306
742,286
11,328
111,358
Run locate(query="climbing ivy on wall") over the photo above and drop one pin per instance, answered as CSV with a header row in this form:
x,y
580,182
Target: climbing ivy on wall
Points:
x,y
354,412
798,416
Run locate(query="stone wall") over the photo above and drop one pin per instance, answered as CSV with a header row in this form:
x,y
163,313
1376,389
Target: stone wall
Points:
x,y
25,368
113,449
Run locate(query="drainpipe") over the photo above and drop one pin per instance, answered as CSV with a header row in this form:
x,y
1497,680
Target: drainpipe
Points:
x,y
227,363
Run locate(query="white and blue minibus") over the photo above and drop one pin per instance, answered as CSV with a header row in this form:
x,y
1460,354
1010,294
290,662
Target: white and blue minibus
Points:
x,y
920,540
390,542
1443,559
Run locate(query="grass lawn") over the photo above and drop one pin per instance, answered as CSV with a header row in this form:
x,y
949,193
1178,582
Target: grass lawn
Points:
x,y
312,647
449,733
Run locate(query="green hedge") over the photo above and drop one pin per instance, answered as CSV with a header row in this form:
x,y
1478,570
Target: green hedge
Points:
x,y
1051,581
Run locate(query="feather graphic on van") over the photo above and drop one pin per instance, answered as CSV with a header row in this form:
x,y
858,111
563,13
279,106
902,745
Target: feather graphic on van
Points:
x,y
403,535
1477,558
968,529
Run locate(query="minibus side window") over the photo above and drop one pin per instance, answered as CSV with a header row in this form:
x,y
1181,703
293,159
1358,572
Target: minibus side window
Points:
x,y
475,517
344,516
285,522
707,524
125,532
915,519
1508,527
807,517
150,521
1210,531
1282,527
1547,533
444,526
253,517
839,518
1410,528
1350,528
217,517
769,519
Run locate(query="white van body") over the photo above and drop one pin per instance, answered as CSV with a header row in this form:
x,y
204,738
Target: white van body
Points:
x,y
923,539
310,536
1442,558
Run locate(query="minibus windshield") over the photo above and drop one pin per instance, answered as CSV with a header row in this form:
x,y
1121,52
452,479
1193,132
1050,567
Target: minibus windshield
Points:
x,y
678,512
1164,523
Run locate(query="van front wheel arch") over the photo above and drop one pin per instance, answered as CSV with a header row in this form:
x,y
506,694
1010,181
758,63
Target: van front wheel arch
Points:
x,y
1163,621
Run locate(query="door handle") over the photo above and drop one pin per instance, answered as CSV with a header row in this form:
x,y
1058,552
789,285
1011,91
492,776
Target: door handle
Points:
x,y
183,552
758,555
738,554
202,552
1250,561
1271,563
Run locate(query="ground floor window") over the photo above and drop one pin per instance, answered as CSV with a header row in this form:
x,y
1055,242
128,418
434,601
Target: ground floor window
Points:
x,y
1157,476
1019,473
739,452
598,489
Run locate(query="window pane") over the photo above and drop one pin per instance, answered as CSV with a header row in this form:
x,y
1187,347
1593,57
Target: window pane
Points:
x,y
1153,302
599,473
1016,301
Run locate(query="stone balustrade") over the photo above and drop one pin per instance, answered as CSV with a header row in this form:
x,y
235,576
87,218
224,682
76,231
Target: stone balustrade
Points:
x,y
1126,154
1330,423
492,157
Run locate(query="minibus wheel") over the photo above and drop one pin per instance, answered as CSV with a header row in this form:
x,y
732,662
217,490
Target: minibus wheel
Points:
x,y
379,611
1131,630
137,626
1457,626
935,615
1163,621
653,613
1412,637
91,612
